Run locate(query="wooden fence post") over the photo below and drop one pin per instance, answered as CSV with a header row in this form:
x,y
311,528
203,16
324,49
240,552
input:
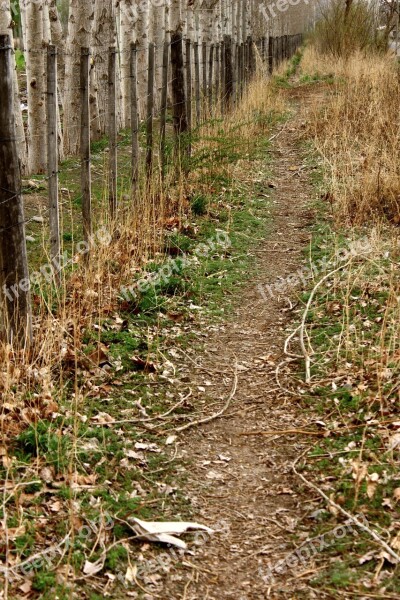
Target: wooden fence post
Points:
x,y
86,178
52,162
223,59
252,60
164,101
228,87
239,71
150,111
197,82
112,130
235,77
14,276
217,72
246,60
134,118
178,89
189,91
270,54
204,84
210,79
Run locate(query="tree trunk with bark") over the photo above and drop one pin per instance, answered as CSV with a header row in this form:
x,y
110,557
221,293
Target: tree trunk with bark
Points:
x,y
79,34
36,83
6,29
103,37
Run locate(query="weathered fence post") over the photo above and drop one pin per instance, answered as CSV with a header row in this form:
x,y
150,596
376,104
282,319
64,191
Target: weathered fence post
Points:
x,y
150,111
178,89
134,118
164,100
204,79
52,162
86,179
189,91
235,75
112,130
210,79
228,87
14,277
270,54
197,81
252,59
223,58
217,73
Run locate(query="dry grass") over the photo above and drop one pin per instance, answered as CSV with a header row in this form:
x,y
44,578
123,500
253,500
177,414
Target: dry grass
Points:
x,y
33,383
357,133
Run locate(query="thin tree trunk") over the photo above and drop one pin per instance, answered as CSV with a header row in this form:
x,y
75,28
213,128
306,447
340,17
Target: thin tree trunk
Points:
x,y
35,72
79,31
14,277
6,29
103,37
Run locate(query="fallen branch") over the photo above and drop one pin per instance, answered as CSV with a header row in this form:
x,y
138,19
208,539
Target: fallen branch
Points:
x,y
344,512
302,325
283,432
213,416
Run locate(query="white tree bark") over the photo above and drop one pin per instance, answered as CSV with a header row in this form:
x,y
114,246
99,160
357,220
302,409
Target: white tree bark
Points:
x,y
142,38
57,38
175,16
157,35
103,36
79,33
6,29
35,71
127,20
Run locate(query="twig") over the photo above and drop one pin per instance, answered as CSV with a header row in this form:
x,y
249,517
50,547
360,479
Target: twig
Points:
x,y
215,415
169,411
283,432
344,512
302,325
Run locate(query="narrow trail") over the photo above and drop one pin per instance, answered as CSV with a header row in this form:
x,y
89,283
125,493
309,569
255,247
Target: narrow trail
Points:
x,y
240,485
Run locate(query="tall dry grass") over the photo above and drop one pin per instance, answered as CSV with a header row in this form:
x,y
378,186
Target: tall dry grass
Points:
x,y
357,132
34,383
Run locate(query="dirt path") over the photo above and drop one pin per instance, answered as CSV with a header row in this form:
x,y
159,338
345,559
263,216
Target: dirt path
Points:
x,y
243,485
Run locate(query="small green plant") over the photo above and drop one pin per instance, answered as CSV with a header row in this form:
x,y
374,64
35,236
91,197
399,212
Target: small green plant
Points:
x,y
199,205
43,440
43,580
19,60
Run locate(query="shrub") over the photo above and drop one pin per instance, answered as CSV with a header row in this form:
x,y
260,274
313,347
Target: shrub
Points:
x,y
347,27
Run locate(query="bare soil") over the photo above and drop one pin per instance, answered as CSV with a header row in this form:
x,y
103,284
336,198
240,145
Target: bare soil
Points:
x,y
243,485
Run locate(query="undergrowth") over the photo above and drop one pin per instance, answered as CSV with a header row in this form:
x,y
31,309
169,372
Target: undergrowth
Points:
x,y
350,343
88,418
